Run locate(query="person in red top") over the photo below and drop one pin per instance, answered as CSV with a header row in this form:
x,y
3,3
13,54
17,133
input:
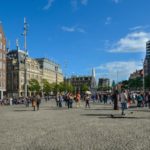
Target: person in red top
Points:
x,y
78,97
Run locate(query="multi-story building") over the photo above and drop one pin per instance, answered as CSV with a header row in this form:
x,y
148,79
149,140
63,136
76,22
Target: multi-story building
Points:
x,y
79,81
136,74
147,60
38,69
51,71
103,82
2,62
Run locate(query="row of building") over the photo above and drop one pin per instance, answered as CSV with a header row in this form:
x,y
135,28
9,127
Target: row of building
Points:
x,y
89,81
146,65
16,69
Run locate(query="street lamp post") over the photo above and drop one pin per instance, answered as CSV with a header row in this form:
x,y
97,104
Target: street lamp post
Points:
x,y
56,71
12,78
25,57
25,76
143,77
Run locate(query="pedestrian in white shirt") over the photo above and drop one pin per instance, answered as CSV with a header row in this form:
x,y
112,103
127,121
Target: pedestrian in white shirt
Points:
x,y
123,99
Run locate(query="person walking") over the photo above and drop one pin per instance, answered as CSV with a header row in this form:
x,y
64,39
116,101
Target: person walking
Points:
x,y
87,101
34,102
78,96
149,100
115,99
57,100
139,100
71,100
68,100
38,101
123,99
60,100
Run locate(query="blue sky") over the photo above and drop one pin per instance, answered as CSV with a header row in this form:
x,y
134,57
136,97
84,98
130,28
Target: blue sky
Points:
x,y
108,35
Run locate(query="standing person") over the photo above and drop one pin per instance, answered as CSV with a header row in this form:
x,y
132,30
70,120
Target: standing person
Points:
x,y
87,101
146,99
27,101
57,100
139,100
115,99
68,100
78,97
149,100
11,101
38,101
60,100
34,102
123,99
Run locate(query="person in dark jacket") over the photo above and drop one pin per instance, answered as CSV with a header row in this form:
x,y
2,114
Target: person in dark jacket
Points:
x,y
38,101
149,100
115,100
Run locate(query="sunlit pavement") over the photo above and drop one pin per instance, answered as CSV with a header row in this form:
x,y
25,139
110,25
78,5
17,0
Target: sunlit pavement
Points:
x,y
53,128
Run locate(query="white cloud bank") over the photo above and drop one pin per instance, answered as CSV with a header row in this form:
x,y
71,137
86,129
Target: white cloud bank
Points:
x,y
132,42
119,69
48,5
72,29
76,3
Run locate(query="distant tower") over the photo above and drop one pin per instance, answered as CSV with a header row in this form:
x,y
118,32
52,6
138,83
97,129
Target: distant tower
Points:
x,y
17,44
93,73
93,82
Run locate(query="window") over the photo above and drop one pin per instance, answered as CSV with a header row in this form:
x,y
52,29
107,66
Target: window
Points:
x,y
1,45
0,65
4,47
0,40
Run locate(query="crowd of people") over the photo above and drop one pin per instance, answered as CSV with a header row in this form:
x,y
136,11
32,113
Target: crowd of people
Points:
x,y
124,99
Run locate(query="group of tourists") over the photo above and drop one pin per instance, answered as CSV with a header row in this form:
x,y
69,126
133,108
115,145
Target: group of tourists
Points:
x,y
124,99
127,98
68,99
36,101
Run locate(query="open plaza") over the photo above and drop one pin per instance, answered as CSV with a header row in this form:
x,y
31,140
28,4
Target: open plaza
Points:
x,y
96,128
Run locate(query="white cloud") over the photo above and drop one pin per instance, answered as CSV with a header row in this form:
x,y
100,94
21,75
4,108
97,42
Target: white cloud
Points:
x,y
84,2
49,4
72,29
116,1
108,20
119,70
133,42
76,3
139,27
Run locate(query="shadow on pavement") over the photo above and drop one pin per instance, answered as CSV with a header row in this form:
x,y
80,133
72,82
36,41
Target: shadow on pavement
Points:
x,y
54,108
142,110
114,116
99,109
21,110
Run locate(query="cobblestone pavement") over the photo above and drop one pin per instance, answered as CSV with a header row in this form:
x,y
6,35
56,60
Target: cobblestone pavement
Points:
x,y
74,129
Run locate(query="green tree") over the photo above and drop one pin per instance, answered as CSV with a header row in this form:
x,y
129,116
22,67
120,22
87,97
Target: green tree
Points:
x,y
84,87
125,84
147,82
136,83
47,87
113,84
34,85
